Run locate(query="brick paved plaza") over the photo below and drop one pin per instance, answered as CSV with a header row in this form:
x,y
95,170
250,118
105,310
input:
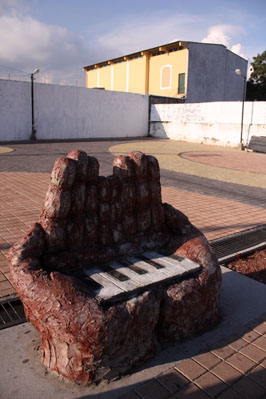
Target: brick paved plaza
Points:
x,y
215,202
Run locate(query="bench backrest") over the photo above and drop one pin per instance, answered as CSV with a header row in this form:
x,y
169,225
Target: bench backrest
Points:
x,y
257,143
84,209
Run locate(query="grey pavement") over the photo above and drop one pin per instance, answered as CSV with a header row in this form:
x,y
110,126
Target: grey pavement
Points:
x,y
40,157
236,192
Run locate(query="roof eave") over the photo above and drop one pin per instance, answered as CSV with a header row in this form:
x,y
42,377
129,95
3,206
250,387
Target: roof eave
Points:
x,y
138,53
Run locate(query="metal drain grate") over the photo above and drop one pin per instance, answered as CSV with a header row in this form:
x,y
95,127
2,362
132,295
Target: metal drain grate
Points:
x,y
11,312
241,243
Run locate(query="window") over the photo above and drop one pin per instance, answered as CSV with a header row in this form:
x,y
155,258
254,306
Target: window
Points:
x,y
166,77
175,49
157,53
181,83
136,56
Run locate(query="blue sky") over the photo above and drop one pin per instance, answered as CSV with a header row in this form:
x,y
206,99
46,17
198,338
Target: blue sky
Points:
x,y
61,36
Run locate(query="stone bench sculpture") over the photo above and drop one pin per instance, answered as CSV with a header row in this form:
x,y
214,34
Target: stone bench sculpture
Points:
x,y
95,228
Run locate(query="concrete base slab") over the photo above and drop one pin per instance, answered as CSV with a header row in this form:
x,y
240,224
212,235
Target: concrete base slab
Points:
x,y
23,376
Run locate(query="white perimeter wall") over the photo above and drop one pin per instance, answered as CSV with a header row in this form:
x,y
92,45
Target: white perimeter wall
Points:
x,y
65,112
216,123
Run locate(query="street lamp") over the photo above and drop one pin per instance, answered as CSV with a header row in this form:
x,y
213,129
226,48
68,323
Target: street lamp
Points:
x,y
33,130
238,72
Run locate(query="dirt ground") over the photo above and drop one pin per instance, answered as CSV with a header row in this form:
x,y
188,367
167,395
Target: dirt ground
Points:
x,y
253,266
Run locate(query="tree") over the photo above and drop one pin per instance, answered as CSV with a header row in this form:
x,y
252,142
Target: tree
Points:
x,y
256,85
258,75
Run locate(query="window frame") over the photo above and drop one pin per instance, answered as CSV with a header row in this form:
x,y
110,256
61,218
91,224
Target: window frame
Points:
x,y
183,74
161,77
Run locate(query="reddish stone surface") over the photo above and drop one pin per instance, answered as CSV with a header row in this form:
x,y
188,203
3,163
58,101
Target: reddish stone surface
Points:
x,y
86,220
253,265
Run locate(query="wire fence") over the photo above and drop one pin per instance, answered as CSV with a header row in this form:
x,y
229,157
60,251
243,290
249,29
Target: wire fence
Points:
x,y
18,77
41,79
8,73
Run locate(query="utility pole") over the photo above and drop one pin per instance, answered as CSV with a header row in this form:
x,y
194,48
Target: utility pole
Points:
x,y
33,130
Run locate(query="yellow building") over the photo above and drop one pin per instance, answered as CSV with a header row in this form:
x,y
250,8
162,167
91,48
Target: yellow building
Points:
x,y
139,72
195,71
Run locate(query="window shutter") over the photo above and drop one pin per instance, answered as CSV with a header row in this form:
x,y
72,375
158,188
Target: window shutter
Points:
x,y
181,83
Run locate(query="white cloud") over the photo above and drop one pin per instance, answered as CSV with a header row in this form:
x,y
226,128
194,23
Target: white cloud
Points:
x,y
237,49
224,34
219,34
13,7
28,43
9,4
138,33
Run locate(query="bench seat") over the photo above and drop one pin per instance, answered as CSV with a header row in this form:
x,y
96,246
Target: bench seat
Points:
x,y
257,143
121,279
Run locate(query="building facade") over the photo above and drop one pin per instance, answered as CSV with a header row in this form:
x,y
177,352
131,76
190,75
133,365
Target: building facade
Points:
x,y
197,72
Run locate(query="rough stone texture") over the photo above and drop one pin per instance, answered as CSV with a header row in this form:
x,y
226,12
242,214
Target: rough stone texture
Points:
x,y
86,220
